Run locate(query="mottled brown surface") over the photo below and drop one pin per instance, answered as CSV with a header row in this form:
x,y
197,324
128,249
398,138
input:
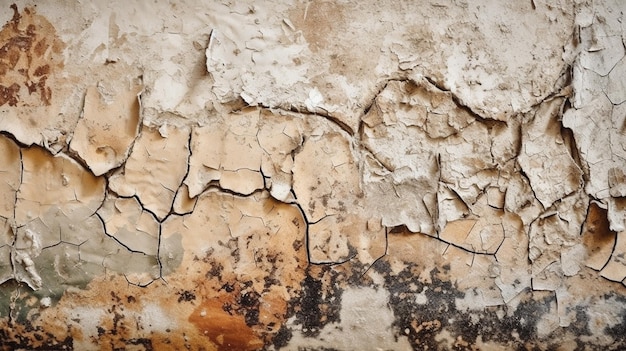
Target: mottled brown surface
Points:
x,y
29,52
368,175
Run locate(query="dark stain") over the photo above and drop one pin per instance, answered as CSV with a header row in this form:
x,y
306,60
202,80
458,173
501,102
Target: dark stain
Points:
x,y
425,322
618,330
297,244
186,295
282,337
249,307
115,298
252,317
117,320
215,271
311,314
11,341
269,282
42,70
227,307
228,287
400,229
9,94
318,305
37,46
146,343
249,299
325,200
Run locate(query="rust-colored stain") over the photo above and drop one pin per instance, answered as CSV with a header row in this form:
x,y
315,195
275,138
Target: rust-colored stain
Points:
x,y
29,53
228,331
597,226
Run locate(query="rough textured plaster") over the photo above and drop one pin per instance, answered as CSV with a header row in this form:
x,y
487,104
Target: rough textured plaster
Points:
x,y
160,152
109,124
313,176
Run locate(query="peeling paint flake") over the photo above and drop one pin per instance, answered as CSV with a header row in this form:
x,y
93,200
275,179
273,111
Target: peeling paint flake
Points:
x,y
552,172
370,175
154,170
109,126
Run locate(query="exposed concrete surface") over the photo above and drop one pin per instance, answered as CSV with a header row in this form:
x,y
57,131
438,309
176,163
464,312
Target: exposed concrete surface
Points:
x,y
314,175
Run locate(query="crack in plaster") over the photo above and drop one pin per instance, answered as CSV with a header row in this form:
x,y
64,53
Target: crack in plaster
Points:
x,y
497,204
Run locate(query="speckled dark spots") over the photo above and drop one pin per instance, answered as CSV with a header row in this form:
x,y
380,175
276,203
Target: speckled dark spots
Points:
x,y
215,271
310,314
297,244
228,287
227,307
249,299
146,343
525,316
28,325
422,321
131,299
24,42
617,331
252,317
272,258
516,330
282,337
186,295
117,317
22,342
269,282
115,298
317,306
9,95
42,70
325,199
249,307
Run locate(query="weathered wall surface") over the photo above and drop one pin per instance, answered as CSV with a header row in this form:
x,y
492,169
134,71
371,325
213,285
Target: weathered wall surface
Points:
x,y
321,175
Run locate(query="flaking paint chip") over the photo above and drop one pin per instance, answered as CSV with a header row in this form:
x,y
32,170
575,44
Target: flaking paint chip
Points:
x,y
109,125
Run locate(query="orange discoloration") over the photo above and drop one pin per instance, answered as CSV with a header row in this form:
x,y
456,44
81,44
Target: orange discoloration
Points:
x,y
227,331
29,55
229,295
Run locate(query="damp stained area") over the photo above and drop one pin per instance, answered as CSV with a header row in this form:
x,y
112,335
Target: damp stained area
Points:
x,y
321,175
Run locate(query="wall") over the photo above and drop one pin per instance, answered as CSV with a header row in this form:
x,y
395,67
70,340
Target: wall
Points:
x,y
321,175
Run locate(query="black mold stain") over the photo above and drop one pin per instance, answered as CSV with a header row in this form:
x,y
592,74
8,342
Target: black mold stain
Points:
x,y
186,295
228,287
311,314
23,342
516,330
618,331
146,343
252,317
316,307
249,303
249,300
282,337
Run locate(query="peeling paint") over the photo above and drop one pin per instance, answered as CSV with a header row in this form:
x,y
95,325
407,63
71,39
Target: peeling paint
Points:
x,y
239,177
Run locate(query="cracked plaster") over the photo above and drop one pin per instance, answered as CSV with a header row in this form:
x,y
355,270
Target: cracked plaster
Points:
x,y
235,176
